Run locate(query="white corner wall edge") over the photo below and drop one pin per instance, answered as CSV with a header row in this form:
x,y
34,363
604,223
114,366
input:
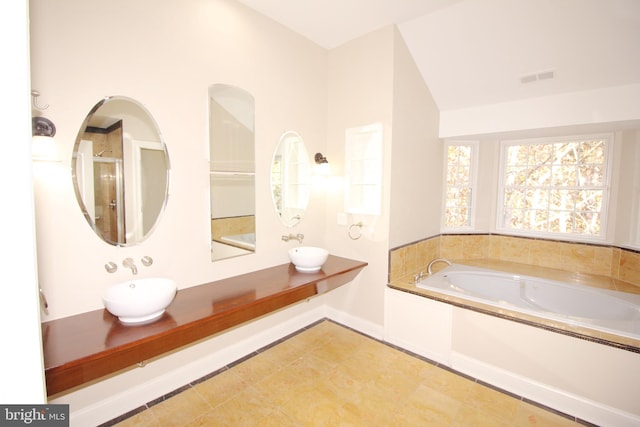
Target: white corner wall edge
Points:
x,y
263,332
571,404
605,105
371,329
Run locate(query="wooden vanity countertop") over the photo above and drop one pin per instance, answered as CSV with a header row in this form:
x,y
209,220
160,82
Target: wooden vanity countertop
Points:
x,y
87,346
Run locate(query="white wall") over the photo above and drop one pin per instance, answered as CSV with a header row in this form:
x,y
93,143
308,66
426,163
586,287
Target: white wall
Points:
x,y
166,55
416,160
373,79
593,107
625,219
361,93
21,370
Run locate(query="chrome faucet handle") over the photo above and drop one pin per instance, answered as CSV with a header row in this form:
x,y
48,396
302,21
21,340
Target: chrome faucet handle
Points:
x,y
299,237
146,260
111,267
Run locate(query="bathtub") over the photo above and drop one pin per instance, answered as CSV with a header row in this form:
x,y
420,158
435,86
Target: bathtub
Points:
x,y
578,305
244,241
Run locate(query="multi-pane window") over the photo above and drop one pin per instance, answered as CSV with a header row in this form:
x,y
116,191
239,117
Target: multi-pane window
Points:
x,y
459,185
556,187
363,170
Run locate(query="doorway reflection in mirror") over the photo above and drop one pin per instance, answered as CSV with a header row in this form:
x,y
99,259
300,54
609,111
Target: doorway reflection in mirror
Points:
x,y
120,170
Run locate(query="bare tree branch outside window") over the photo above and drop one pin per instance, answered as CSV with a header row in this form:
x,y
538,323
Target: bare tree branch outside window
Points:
x,y
555,187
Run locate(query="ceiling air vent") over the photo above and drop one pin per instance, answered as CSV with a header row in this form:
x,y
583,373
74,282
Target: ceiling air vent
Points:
x,y
542,75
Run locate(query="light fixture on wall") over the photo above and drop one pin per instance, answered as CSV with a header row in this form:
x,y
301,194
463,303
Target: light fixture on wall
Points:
x,y
323,167
43,146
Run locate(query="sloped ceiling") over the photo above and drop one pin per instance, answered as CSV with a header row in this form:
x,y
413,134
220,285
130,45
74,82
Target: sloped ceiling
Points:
x,y
474,52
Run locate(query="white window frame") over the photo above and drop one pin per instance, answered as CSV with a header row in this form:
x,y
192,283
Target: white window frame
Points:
x,y
605,210
473,184
635,212
363,170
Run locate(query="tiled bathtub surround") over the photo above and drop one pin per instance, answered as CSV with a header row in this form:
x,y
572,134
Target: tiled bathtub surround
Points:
x,y
588,265
607,261
231,226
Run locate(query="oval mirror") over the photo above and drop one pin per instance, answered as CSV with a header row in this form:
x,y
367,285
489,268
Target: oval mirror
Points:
x,y
120,170
290,179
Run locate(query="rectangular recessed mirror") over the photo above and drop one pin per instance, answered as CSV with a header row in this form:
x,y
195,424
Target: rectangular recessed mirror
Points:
x,y
231,171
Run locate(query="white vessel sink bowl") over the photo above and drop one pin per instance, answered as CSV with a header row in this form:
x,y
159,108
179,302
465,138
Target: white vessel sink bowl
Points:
x,y
139,300
308,258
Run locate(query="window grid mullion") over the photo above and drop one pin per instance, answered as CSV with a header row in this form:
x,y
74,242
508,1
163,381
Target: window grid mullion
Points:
x,y
580,201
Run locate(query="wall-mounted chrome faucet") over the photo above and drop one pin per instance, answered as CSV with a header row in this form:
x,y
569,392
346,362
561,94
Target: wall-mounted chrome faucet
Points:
x,y
112,267
128,263
299,237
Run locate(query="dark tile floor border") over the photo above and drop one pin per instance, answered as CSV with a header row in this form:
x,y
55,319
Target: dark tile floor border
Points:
x,y
285,338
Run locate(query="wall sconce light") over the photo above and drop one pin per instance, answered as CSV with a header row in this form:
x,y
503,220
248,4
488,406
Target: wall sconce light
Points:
x,y
43,146
41,126
322,165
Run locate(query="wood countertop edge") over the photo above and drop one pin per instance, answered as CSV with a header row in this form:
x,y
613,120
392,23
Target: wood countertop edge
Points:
x,y
72,373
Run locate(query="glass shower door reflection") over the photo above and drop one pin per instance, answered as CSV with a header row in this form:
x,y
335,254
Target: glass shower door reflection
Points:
x,y
109,203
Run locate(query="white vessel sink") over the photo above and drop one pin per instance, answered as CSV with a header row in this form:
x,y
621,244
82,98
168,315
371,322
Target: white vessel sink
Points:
x,y
308,258
139,300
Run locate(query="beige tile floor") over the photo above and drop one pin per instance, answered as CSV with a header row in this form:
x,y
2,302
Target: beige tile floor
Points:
x,y
329,375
